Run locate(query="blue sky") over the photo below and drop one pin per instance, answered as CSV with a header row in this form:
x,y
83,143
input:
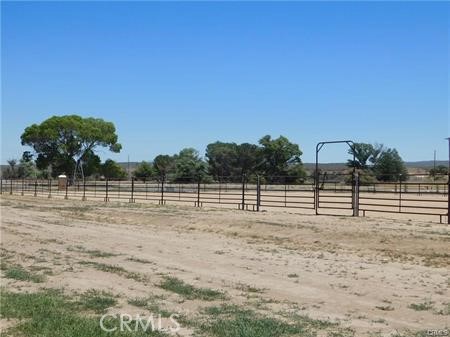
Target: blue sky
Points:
x,y
173,75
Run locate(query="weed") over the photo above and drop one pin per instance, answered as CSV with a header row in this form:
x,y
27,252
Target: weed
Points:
x,y
97,301
19,273
428,305
188,291
51,314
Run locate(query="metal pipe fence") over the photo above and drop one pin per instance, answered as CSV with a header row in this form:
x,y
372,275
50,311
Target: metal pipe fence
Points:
x,y
342,194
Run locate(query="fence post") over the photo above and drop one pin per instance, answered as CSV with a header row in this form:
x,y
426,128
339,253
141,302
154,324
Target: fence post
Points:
x,y
49,188
132,190
106,191
84,190
198,193
316,190
22,192
161,202
1,185
448,198
66,196
10,187
400,194
243,192
258,193
356,196
146,189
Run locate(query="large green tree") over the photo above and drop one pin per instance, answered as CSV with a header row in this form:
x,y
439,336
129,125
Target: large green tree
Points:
x,y
221,158
248,158
278,156
62,141
163,165
112,170
365,155
144,171
390,166
189,166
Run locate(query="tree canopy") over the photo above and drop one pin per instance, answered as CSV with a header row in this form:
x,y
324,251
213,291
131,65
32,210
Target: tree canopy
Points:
x,y
112,170
279,155
440,171
375,162
144,171
390,167
62,141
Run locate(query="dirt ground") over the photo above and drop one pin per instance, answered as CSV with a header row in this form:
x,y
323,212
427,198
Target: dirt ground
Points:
x,y
369,274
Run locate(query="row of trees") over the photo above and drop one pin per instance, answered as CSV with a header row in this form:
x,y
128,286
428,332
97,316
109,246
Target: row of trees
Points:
x,y
68,144
26,168
275,159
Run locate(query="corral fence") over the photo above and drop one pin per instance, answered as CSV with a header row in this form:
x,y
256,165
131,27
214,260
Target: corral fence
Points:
x,y
329,193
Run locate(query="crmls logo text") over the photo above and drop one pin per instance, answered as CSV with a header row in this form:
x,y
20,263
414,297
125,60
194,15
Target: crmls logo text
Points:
x,y
129,323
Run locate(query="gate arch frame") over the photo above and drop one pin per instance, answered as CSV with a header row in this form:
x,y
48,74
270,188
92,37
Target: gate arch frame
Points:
x,y
319,146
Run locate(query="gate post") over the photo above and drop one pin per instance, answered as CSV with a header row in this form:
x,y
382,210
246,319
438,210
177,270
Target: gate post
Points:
x,y
84,190
258,193
448,198
106,191
66,196
161,202
355,194
243,192
132,190
198,194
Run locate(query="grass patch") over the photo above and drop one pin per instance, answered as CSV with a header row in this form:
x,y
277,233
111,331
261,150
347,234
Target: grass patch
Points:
x,y
151,304
51,314
233,321
91,252
21,274
188,291
138,260
97,301
428,305
109,268
249,289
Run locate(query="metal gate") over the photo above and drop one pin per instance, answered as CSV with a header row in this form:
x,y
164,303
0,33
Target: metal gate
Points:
x,y
336,194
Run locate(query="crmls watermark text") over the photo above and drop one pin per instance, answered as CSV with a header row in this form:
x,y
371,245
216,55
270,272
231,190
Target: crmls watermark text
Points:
x,y
126,322
438,332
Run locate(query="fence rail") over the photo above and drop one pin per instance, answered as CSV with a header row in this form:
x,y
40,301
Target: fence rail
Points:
x,y
341,196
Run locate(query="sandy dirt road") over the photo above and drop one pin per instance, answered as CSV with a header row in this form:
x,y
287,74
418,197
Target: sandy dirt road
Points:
x,y
368,274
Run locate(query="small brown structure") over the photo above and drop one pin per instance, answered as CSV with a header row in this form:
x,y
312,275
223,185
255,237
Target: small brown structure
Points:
x,y
62,182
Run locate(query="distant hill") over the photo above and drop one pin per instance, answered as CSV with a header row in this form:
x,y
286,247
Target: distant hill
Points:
x,y
411,165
